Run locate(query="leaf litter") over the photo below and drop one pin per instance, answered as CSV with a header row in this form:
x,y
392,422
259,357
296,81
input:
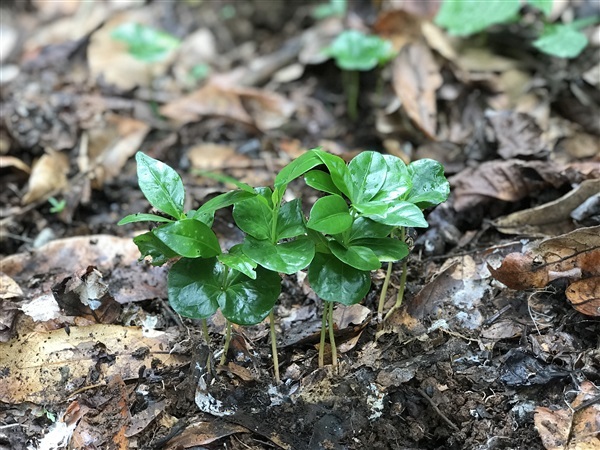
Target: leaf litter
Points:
x,y
498,331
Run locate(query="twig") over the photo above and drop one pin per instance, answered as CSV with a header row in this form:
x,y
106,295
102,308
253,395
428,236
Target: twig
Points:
x,y
437,410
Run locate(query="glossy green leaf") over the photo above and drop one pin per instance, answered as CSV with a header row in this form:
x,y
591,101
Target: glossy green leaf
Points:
x,y
288,257
236,259
161,185
225,179
297,168
223,201
361,258
150,245
429,185
248,302
145,43
334,281
206,217
290,220
367,171
190,238
465,17
354,50
338,170
330,215
563,41
397,181
321,181
397,214
195,286
367,228
254,217
140,217
386,249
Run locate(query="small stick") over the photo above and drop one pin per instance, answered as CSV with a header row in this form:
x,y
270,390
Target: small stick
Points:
x,y
437,410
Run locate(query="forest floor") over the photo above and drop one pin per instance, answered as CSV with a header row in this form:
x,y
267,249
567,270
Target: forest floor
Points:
x,y
488,351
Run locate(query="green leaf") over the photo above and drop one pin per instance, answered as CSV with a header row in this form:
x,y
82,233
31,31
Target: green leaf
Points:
x,y
225,179
330,215
237,260
198,287
361,258
190,238
543,5
334,281
562,41
337,170
145,43
206,217
223,201
321,181
367,228
195,287
354,50
248,302
161,185
465,17
254,217
429,185
386,249
333,8
287,257
297,168
150,245
290,220
368,171
397,214
141,217
397,181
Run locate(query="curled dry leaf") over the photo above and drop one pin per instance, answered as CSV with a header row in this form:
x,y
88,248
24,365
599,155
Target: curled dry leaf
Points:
x,y
48,177
416,79
517,134
256,107
551,218
508,181
584,295
572,255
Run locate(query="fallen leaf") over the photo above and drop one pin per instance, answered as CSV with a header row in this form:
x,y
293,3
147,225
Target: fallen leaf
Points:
x,y
416,78
517,134
584,295
209,156
48,367
48,177
202,433
552,218
571,256
399,27
11,161
9,287
509,181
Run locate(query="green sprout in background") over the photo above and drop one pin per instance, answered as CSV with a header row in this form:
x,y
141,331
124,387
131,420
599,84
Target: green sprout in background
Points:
x,y
335,8
466,17
355,51
57,206
145,43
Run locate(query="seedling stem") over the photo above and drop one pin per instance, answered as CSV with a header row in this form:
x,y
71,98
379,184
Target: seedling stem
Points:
x,y
332,337
274,346
322,342
207,340
227,341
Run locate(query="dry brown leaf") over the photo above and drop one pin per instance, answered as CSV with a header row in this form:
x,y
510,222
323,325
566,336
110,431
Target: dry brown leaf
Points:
x,y
584,295
36,363
48,177
517,134
9,288
571,255
552,218
202,433
416,79
399,27
553,426
508,181
11,161
256,107
209,156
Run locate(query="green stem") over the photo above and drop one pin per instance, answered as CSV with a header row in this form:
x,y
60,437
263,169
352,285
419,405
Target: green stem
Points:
x,y
351,84
207,340
400,295
322,343
332,338
227,341
384,289
274,346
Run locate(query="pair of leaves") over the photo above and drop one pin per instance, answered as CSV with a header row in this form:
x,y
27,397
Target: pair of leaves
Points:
x,y
198,287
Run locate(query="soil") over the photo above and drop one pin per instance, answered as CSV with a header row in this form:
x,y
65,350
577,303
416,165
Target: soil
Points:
x,y
463,365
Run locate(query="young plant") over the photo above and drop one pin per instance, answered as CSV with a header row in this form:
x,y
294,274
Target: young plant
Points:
x,y
355,51
465,17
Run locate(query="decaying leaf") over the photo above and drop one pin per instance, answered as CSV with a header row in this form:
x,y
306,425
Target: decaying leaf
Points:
x,y
416,79
550,219
209,156
509,181
517,134
573,255
48,367
9,287
584,295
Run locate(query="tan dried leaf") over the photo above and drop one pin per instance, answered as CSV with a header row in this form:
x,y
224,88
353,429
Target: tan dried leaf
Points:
x,y
48,177
584,295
